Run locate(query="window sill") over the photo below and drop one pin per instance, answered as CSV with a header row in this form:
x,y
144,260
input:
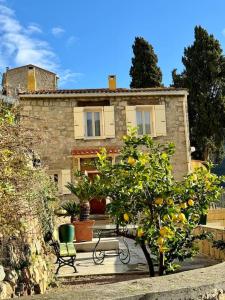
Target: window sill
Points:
x,y
94,138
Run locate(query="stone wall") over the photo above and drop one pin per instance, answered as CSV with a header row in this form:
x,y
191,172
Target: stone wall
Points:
x,y
206,246
45,80
54,117
27,263
17,79
216,217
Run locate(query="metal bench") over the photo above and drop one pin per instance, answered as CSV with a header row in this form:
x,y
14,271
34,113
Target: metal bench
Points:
x,y
66,255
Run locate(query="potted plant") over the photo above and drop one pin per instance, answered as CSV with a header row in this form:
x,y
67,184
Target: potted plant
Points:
x,y
84,189
71,209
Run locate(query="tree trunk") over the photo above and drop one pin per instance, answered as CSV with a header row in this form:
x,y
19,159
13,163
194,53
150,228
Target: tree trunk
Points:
x,y
161,264
84,211
145,251
149,260
206,153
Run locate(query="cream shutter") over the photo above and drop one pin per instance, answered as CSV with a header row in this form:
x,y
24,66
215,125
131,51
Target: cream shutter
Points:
x,y
160,120
65,178
78,122
130,117
109,123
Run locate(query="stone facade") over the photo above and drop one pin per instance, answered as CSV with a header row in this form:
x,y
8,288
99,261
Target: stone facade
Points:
x,y
17,79
53,115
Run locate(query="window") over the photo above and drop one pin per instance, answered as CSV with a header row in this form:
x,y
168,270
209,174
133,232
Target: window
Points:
x,y
93,123
148,119
56,178
143,118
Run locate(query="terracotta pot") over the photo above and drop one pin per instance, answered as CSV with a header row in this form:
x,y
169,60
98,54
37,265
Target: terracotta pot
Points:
x,y
98,206
84,230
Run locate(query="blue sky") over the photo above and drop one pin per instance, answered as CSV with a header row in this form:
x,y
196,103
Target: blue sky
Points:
x,y
85,40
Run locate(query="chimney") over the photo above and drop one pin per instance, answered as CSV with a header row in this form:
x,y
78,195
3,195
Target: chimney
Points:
x,y
31,79
112,82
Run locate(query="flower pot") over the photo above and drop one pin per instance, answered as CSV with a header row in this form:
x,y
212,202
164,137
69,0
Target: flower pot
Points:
x,y
66,233
84,230
98,206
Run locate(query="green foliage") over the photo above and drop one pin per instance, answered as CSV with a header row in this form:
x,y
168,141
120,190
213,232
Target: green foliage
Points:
x,y
72,208
26,193
83,187
144,70
145,193
204,77
219,244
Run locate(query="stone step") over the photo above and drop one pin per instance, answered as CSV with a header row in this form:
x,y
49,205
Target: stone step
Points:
x,y
105,244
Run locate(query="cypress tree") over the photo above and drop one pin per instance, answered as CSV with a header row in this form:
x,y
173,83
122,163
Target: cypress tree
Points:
x,y
144,71
204,76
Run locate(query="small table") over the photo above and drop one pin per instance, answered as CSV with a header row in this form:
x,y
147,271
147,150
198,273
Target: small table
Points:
x,y
106,231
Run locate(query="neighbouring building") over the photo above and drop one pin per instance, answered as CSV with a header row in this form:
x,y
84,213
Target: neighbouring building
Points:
x,y
77,123
27,78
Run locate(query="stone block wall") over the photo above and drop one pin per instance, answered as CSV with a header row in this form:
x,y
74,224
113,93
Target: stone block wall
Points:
x,y
16,79
45,80
216,217
206,246
54,118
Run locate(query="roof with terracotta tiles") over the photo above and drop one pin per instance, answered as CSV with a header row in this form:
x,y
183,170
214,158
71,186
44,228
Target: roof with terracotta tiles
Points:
x,y
101,91
93,151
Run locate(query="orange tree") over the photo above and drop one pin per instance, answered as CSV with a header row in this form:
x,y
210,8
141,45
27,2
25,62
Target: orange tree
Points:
x,y
144,192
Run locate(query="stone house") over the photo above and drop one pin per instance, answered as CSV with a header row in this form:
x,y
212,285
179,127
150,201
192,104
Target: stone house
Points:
x,y
76,123
27,78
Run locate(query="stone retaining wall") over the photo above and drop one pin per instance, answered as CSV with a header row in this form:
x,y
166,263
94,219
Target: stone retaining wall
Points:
x,y
206,246
216,217
206,283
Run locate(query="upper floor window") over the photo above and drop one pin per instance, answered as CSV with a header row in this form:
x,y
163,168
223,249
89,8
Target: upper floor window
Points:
x,y
148,119
93,123
143,120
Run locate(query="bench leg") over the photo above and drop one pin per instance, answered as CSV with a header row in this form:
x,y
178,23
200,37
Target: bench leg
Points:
x,y
66,262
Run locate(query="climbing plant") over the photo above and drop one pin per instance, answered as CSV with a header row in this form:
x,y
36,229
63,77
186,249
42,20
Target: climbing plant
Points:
x,y
26,191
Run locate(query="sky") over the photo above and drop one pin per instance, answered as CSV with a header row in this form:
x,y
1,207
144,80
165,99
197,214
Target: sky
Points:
x,y
84,41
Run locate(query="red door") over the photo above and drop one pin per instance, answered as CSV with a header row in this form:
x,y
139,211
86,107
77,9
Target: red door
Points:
x,y
97,206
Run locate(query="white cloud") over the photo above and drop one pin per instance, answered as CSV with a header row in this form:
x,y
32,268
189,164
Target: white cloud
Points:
x,y
68,76
57,31
223,32
18,46
34,28
71,40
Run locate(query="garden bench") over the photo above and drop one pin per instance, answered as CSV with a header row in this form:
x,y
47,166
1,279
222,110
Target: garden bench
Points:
x,y
66,255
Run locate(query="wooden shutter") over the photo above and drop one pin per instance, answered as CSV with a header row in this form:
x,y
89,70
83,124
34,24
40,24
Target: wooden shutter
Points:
x,y
79,122
160,120
130,117
65,178
109,123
